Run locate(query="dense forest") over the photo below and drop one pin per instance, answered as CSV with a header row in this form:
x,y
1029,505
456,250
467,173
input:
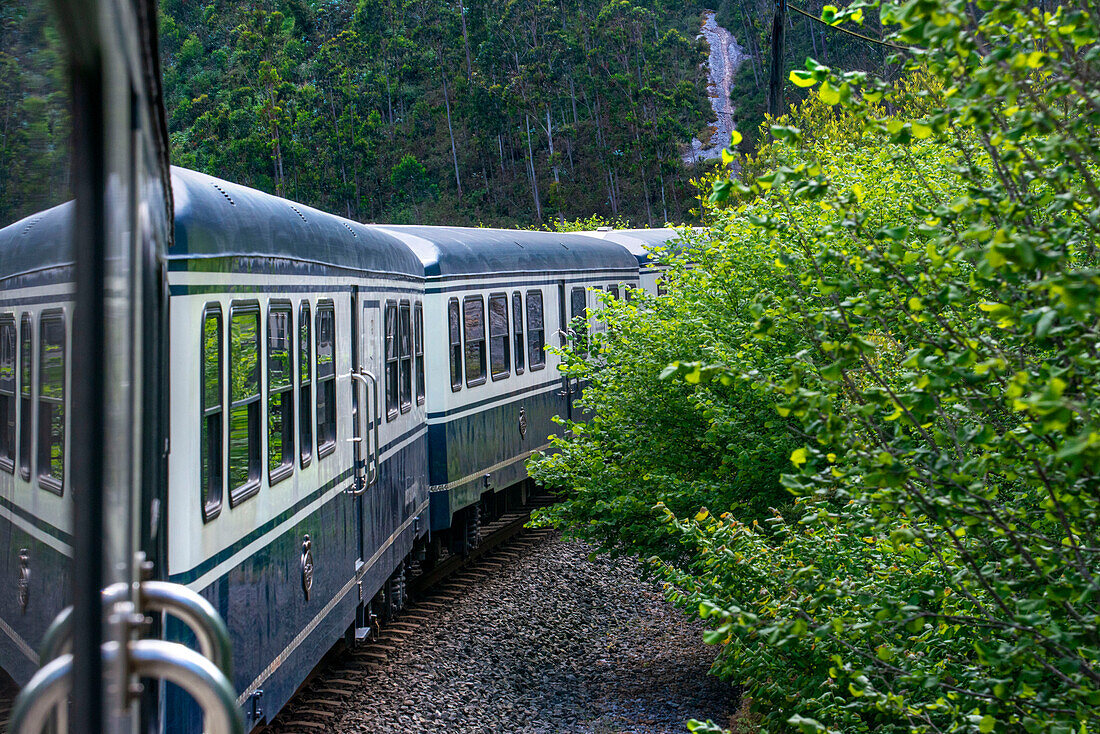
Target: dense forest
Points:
x,y
488,111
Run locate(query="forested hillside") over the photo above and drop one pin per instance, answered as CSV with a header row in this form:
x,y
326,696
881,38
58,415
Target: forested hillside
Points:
x,y
509,112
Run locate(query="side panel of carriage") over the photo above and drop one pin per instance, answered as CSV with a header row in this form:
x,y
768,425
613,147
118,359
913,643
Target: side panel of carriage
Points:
x,y
268,515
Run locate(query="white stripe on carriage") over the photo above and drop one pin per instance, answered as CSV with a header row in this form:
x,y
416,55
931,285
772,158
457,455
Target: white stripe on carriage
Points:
x,y
58,545
24,648
487,470
480,407
308,629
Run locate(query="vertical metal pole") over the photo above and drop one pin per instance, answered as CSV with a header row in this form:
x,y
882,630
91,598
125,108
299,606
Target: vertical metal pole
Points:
x,y
775,71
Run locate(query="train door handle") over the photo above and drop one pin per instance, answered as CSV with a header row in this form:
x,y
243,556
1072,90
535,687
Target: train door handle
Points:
x,y
170,661
156,596
370,382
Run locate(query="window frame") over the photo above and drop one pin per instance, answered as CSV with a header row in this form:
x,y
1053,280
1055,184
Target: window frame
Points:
x,y
46,480
506,347
10,432
328,447
518,334
211,509
454,338
25,391
405,356
251,487
480,343
286,468
418,352
532,365
580,336
391,360
305,385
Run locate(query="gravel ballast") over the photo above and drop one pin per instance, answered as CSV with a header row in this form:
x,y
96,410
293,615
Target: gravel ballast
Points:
x,y
550,641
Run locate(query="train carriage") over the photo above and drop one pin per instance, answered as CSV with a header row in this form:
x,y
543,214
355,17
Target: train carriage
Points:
x,y
641,243
493,301
292,500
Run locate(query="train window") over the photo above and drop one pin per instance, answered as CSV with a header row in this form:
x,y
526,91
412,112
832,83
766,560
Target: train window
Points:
x,y
25,403
577,310
326,379
404,348
305,386
473,315
212,409
244,402
280,393
392,361
455,332
499,357
7,393
661,288
517,326
614,291
51,401
418,348
536,344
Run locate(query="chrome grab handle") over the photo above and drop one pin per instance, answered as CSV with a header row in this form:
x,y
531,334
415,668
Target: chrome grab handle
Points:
x,y
367,378
195,612
157,659
193,673
157,596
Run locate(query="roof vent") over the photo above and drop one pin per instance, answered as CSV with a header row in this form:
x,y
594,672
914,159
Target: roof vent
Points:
x,y
31,224
227,197
348,228
303,216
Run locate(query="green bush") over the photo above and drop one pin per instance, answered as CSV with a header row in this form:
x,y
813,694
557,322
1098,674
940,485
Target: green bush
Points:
x,y
918,298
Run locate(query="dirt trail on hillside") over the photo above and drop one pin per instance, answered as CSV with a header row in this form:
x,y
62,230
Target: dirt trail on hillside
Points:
x,y
725,57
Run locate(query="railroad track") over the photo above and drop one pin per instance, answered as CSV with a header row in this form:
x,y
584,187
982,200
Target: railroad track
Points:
x,y
323,697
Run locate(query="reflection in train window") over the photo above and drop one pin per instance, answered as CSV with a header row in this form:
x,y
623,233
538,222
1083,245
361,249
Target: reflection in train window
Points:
x,y
517,327
326,379
391,360
499,358
404,349
418,348
7,393
244,402
536,345
51,401
454,330
473,316
211,440
305,385
280,393
25,404
577,310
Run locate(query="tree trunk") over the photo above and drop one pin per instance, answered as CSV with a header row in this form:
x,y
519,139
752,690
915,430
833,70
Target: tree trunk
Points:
x,y
450,129
465,40
531,169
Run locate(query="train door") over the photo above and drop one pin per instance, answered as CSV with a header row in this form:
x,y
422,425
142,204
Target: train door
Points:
x,y
571,304
367,410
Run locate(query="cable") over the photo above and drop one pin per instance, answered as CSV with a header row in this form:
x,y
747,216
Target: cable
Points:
x,y
850,33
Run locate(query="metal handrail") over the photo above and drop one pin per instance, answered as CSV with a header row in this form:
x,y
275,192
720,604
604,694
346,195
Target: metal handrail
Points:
x,y
197,613
367,377
157,659
157,596
195,674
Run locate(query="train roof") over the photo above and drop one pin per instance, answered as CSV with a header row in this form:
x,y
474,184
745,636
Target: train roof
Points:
x,y
219,219
38,243
638,241
452,251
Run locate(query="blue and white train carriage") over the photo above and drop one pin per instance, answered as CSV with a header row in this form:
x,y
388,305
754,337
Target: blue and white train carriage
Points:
x,y
294,495
493,300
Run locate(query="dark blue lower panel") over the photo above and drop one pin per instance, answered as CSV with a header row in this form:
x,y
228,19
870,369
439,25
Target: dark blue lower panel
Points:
x,y
470,446
262,601
50,588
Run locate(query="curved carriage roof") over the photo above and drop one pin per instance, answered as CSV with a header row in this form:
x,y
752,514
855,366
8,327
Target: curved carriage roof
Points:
x,y
638,241
218,219
40,242
450,251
